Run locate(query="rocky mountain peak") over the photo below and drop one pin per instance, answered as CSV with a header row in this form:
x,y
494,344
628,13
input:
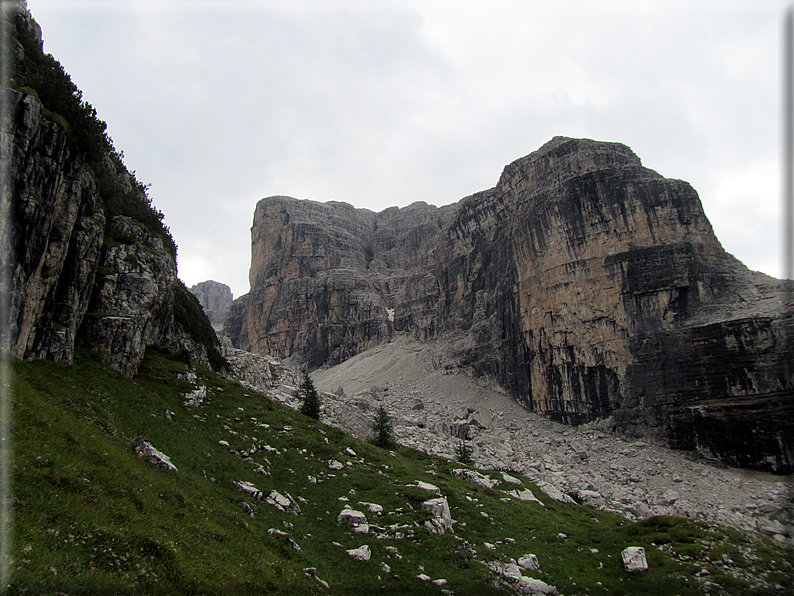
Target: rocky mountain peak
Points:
x,y
583,284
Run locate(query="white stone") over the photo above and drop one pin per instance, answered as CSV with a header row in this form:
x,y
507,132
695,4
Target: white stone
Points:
x,y
372,507
146,450
423,577
439,508
335,465
529,562
362,553
555,493
248,488
511,479
475,478
532,587
524,495
634,559
351,516
427,486
512,571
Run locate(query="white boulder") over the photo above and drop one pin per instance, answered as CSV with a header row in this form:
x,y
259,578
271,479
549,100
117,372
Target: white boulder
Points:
x,y
634,559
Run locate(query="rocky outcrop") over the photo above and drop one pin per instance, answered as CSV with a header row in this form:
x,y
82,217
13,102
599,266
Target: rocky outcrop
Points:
x,y
52,235
84,254
583,283
216,299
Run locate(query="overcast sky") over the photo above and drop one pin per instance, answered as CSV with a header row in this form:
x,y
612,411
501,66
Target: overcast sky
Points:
x,y
381,103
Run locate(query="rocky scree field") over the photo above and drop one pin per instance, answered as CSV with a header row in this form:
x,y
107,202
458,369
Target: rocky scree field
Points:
x,y
235,493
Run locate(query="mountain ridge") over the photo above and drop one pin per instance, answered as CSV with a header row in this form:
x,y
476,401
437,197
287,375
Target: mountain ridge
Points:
x,y
583,283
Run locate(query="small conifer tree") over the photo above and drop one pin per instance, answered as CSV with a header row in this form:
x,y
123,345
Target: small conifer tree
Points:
x,y
310,400
463,453
383,429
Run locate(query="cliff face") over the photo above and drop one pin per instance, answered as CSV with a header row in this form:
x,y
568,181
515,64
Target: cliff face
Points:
x,y
74,273
216,299
583,283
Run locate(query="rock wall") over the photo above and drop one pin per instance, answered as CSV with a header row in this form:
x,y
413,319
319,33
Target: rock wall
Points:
x,y
583,283
216,299
71,274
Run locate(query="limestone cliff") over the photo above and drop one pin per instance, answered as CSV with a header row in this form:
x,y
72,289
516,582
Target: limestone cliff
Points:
x,y
216,299
86,259
583,283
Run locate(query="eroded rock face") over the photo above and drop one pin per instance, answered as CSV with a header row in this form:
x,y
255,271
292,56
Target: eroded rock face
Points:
x,y
583,283
52,237
69,276
216,299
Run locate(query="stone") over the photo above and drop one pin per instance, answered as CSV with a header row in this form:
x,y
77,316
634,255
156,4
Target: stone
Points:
x,y
524,495
475,477
634,559
362,553
372,507
352,517
145,450
529,562
249,489
771,527
283,502
555,493
427,486
511,479
66,286
535,587
439,508
335,465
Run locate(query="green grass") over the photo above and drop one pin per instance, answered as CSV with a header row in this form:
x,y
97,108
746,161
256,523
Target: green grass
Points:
x,y
91,518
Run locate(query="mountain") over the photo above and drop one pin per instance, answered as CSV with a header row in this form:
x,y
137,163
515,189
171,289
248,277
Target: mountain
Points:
x,y
215,299
583,283
86,258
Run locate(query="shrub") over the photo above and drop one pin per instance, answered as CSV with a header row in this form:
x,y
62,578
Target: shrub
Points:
x,y
310,400
383,429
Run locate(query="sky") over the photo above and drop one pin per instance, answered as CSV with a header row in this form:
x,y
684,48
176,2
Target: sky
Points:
x,y
386,102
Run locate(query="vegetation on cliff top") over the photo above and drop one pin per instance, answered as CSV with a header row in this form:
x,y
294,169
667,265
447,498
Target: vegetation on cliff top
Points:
x,y
42,75
91,518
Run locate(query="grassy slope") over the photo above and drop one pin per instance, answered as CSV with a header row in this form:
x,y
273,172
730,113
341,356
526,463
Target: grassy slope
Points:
x,y
90,518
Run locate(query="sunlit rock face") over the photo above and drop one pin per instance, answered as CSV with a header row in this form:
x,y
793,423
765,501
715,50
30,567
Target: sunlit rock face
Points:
x,y
584,284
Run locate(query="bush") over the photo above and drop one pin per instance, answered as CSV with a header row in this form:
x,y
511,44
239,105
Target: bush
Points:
x,y
310,400
383,429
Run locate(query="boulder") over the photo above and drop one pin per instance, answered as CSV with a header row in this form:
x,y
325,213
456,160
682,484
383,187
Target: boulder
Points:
x,y
439,508
145,450
529,562
362,553
634,559
475,478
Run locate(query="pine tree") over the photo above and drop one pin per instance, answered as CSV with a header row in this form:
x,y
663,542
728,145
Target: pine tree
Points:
x,y
310,400
383,429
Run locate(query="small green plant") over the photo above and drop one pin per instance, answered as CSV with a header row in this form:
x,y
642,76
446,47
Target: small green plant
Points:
x,y
463,453
310,400
383,429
